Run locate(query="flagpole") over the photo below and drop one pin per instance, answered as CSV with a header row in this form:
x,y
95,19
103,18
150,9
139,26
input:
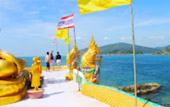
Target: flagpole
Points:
x,y
56,46
76,58
134,54
68,45
69,49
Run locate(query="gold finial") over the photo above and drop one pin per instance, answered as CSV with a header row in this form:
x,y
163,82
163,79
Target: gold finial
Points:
x,y
74,46
92,42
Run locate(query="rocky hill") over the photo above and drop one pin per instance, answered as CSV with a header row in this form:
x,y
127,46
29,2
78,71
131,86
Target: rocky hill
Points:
x,y
123,48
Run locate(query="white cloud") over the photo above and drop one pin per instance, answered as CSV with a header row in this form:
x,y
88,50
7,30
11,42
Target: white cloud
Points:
x,y
106,38
152,22
140,23
3,19
34,29
78,38
43,7
51,37
33,13
10,4
157,37
123,38
115,28
126,12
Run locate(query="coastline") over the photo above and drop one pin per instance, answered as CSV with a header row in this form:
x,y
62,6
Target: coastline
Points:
x,y
147,64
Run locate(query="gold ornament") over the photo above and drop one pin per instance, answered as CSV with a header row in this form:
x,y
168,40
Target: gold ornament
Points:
x,y
71,62
13,78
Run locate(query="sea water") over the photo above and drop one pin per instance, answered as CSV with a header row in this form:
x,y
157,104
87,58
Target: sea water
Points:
x,y
118,71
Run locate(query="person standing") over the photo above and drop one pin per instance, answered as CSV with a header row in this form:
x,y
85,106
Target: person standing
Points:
x,y
58,59
47,60
52,60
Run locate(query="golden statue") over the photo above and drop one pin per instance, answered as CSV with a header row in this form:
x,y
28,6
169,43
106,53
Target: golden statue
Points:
x,y
71,62
88,59
13,78
40,63
88,66
36,73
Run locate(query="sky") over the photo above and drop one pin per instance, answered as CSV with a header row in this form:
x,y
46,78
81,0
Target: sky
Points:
x,y
28,26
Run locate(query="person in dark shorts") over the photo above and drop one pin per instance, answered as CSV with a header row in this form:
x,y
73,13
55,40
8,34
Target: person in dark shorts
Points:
x,y
47,60
52,60
58,59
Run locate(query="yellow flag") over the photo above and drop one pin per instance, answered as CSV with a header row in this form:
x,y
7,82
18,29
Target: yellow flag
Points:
x,y
67,40
88,6
61,33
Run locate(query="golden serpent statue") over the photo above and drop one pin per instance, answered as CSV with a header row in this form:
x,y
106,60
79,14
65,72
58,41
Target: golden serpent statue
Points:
x,y
88,65
88,59
13,78
71,62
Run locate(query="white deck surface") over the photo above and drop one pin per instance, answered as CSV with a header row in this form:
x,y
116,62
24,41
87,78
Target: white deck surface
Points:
x,y
59,93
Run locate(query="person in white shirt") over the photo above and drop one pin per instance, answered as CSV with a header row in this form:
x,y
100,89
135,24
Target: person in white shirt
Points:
x,y
52,60
58,59
47,60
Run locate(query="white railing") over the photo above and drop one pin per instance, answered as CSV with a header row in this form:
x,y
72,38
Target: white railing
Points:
x,y
81,76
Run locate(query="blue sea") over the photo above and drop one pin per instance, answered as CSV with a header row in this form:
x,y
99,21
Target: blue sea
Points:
x,y
117,71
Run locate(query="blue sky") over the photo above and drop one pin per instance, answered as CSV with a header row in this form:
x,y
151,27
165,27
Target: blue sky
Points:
x,y
27,26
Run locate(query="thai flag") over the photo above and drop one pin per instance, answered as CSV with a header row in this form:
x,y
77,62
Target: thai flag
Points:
x,y
66,22
54,42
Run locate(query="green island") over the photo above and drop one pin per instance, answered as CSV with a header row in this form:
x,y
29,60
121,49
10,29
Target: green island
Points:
x,y
122,52
165,51
127,49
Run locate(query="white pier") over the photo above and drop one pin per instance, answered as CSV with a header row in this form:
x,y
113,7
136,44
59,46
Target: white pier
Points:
x,y
59,93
